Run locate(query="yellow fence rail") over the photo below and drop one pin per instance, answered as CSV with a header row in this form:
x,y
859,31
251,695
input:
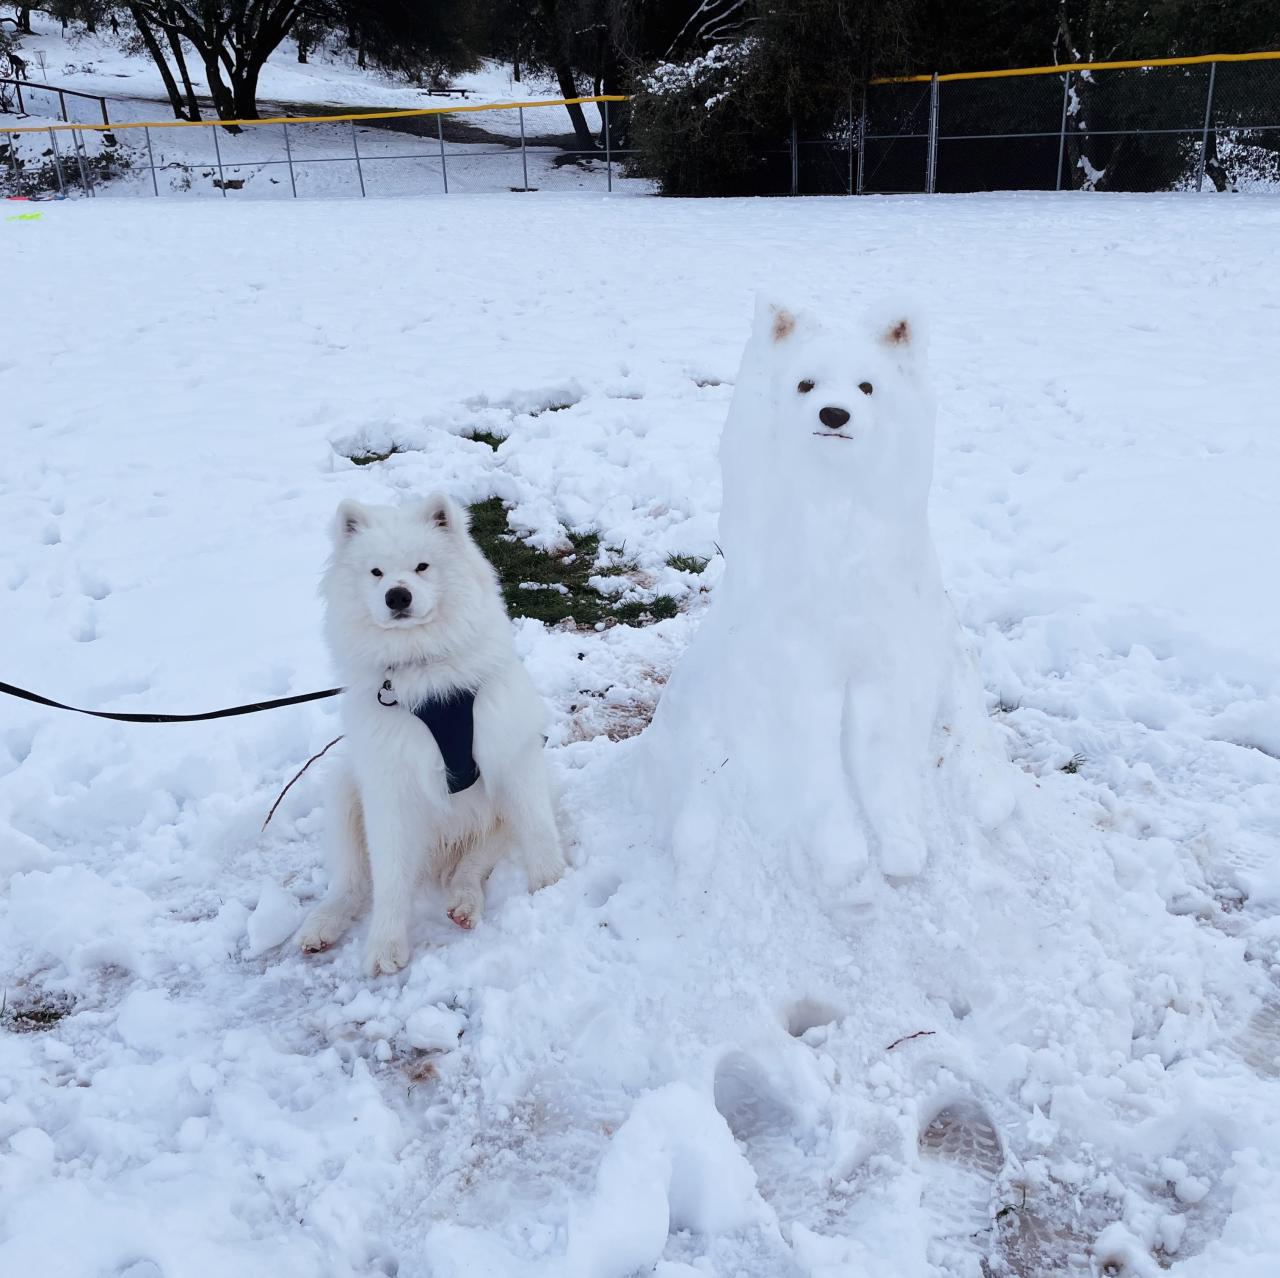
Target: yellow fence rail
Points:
x,y
1063,67
313,119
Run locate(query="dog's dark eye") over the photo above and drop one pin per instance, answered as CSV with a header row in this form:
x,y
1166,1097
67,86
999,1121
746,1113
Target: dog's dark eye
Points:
x,y
422,568
865,387
805,386
377,572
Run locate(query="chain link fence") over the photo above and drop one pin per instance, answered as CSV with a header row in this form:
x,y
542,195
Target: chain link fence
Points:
x,y
1168,125
503,147
1209,122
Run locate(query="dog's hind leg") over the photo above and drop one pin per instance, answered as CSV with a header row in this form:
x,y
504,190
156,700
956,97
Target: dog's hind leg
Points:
x,y
348,861
530,819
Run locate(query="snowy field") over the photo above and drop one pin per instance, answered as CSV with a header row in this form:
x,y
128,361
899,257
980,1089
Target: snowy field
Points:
x,y
1059,1056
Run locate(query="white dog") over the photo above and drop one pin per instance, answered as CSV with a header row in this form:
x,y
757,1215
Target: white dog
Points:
x,y
444,771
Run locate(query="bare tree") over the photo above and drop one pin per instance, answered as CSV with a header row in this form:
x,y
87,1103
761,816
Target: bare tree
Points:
x,y
232,38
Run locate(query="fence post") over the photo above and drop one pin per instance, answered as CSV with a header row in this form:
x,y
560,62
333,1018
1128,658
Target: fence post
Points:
x,y
795,160
151,163
13,157
444,171
1204,135
17,84
62,103
848,188
524,153
862,139
931,173
608,147
217,150
84,177
1062,128
288,156
57,162
355,146
106,119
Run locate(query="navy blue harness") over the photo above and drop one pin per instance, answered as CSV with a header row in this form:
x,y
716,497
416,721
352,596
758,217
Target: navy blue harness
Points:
x,y
451,721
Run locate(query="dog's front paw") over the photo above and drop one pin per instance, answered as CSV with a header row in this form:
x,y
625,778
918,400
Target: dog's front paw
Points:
x,y
322,929
465,909
385,954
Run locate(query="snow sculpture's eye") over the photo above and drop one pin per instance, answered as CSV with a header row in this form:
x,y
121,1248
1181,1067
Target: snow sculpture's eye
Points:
x,y
865,387
805,386
422,568
377,572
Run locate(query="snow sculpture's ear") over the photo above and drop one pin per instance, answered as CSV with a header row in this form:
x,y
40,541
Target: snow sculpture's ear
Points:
x,y
899,333
444,513
351,518
775,322
900,329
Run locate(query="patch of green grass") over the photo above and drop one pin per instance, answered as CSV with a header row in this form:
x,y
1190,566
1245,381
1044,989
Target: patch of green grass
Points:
x,y
367,459
487,437
552,588
687,563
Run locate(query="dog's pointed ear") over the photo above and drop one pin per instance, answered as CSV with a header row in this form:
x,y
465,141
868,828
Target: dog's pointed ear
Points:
x,y
773,321
351,518
444,512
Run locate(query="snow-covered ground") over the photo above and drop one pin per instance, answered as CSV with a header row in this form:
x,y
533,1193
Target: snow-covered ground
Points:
x,y
1061,1052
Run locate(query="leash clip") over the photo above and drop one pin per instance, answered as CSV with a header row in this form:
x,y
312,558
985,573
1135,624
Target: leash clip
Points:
x,y
386,687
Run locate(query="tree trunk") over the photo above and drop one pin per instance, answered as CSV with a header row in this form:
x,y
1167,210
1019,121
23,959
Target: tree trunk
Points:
x,y
223,102
157,56
568,89
302,52
24,20
175,43
244,89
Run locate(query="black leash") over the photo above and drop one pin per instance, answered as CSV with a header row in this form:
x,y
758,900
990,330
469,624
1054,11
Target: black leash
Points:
x,y
252,708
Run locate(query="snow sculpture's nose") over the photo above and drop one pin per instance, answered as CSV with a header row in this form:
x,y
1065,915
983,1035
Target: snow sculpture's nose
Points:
x,y
833,417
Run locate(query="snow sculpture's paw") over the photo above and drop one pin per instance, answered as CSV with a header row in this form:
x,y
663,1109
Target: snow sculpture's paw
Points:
x,y
386,953
465,909
962,1158
323,928
902,850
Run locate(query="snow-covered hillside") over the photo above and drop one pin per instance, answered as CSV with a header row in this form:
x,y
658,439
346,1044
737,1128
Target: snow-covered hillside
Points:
x,y
483,151
1060,1055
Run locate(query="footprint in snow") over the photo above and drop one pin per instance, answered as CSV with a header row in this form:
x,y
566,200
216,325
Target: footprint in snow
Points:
x,y
961,1157
1258,1044
795,1173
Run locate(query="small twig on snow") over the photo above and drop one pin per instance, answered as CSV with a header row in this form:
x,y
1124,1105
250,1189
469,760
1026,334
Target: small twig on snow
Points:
x,y
906,1038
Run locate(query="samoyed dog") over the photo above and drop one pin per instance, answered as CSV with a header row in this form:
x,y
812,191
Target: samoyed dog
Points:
x,y
443,772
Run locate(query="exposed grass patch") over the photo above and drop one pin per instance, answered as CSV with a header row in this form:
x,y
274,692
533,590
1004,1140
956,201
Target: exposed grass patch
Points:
x,y
687,563
1072,765
367,459
487,437
32,1012
554,588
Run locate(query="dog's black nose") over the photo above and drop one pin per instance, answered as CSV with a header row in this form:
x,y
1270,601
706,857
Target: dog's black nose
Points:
x,y
833,417
398,599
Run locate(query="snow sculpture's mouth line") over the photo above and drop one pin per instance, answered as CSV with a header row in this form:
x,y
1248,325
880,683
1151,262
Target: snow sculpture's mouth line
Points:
x,y
830,434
